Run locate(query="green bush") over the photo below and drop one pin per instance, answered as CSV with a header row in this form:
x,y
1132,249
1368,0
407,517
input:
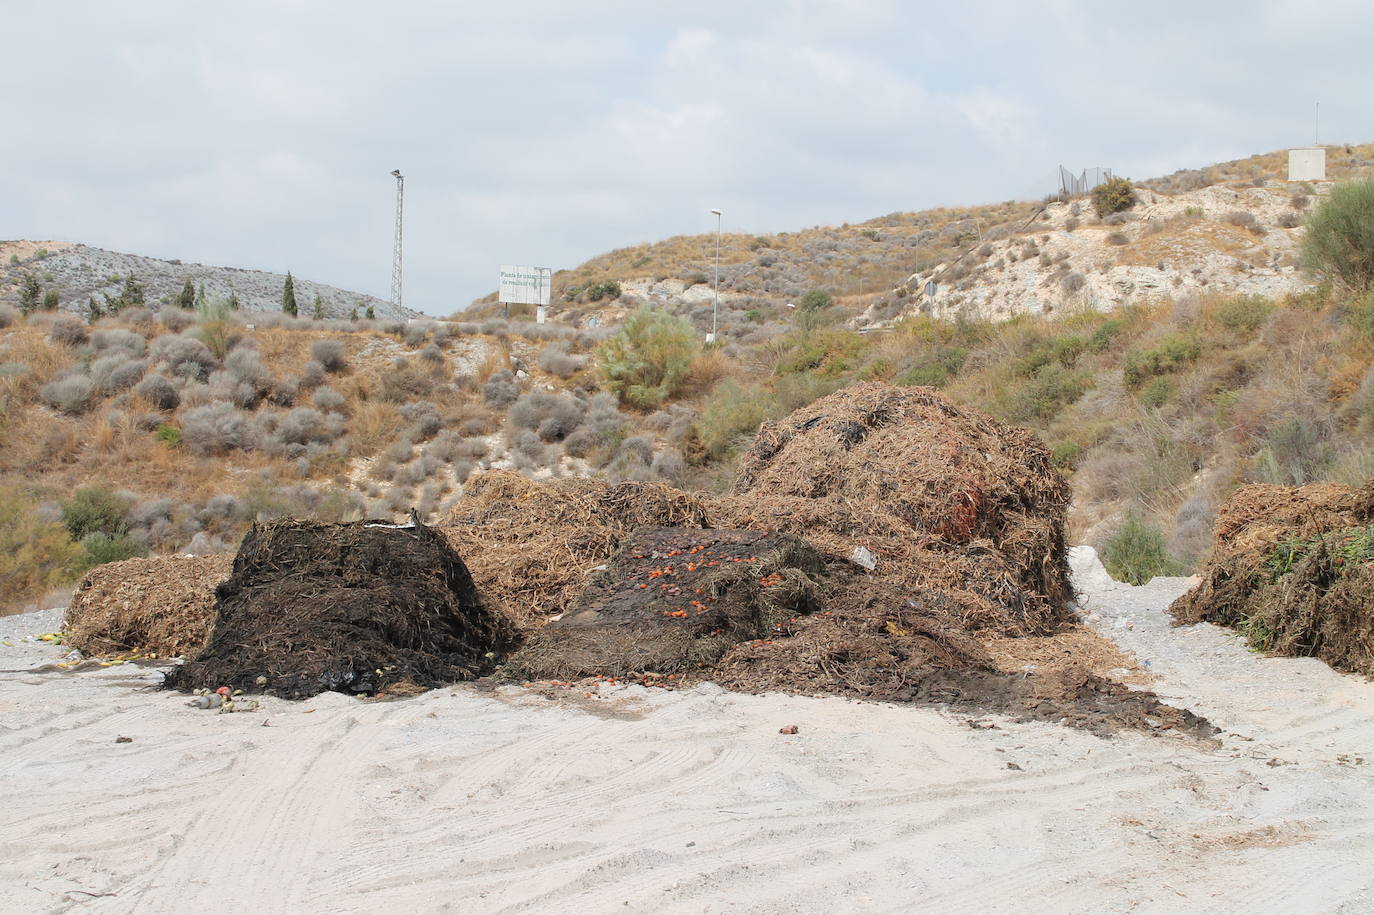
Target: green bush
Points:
x,y
1065,454
1105,333
95,510
929,374
1136,552
1113,196
1245,314
1171,354
1339,243
169,435
1052,388
1362,315
1063,350
935,368
30,293
647,360
606,289
35,555
103,548
1295,452
815,300
730,415
1157,392
827,352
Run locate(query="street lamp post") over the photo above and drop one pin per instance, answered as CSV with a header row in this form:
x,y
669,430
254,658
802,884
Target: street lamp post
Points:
x,y
396,248
715,293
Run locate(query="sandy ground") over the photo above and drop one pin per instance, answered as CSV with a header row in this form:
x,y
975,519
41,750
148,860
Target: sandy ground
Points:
x,y
641,800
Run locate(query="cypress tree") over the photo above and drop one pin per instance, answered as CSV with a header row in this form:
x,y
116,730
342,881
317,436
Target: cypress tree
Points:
x,y
233,301
187,297
288,296
30,291
371,315
317,312
130,296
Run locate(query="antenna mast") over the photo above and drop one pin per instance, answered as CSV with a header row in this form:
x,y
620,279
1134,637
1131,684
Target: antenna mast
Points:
x,y
396,254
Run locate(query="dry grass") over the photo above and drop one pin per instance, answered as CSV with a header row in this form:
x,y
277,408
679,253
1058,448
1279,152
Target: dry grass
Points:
x,y
374,424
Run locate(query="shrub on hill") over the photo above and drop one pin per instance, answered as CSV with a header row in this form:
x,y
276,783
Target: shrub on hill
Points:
x,y
649,358
1113,196
36,553
1136,551
215,428
96,510
330,354
1339,243
159,392
71,394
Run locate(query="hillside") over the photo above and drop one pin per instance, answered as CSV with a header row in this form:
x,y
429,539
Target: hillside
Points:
x,y
185,426
78,273
1229,227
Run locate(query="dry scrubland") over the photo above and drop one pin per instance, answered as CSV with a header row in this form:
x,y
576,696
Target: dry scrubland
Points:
x,y
877,267
168,430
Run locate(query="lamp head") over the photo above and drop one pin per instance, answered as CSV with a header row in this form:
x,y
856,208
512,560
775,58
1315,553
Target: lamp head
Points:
x,y
716,212
396,172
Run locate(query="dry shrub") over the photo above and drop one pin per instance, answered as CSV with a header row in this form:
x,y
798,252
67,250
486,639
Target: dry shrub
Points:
x,y
163,605
496,358
373,426
708,369
530,546
1283,573
330,354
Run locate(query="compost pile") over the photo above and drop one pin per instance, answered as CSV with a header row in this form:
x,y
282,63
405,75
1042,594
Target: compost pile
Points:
x,y
531,546
676,599
947,501
161,605
1292,569
937,528
353,607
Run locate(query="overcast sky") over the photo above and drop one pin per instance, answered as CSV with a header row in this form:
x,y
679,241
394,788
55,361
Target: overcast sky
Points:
x,y
261,135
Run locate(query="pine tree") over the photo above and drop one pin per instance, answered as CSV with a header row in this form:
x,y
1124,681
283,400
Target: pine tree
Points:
x,y
30,291
371,315
199,301
187,297
233,301
353,315
318,311
288,296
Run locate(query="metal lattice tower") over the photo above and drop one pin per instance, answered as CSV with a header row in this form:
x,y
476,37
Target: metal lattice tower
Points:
x,y
396,254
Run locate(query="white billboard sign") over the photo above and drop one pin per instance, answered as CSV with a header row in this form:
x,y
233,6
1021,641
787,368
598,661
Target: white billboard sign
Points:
x,y
525,285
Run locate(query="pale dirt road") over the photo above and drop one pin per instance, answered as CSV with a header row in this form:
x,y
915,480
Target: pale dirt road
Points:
x,y
650,801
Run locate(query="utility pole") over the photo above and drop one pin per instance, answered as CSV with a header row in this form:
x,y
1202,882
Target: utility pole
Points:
x,y
396,254
715,294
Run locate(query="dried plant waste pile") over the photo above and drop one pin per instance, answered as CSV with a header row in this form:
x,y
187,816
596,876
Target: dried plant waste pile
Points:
x,y
1293,570
162,605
